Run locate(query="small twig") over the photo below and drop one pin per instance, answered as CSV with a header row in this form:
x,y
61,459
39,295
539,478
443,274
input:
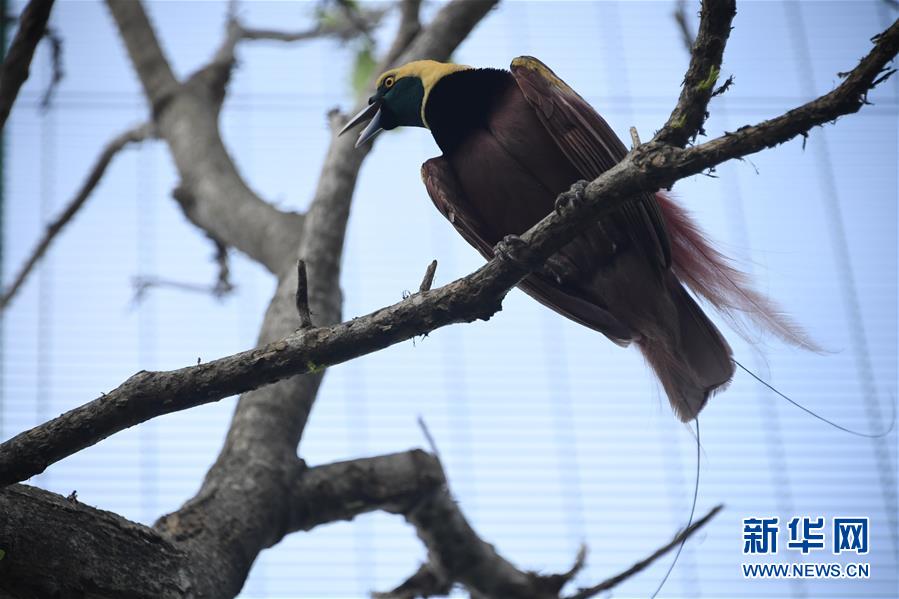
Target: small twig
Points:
x,y
142,285
302,298
360,23
347,28
56,62
223,285
729,82
134,135
635,137
426,582
428,437
428,279
643,564
221,288
14,70
556,582
683,23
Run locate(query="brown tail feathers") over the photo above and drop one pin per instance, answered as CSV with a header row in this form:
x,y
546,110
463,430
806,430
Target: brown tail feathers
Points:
x,y
692,360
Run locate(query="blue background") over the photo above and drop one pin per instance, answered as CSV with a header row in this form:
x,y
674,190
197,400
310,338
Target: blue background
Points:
x,y
551,435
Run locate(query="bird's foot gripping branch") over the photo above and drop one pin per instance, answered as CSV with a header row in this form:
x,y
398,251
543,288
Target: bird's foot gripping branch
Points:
x,y
571,199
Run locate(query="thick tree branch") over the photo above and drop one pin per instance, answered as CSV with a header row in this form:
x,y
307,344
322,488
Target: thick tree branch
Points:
x,y
688,116
14,71
478,295
343,490
57,547
212,194
146,54
137,134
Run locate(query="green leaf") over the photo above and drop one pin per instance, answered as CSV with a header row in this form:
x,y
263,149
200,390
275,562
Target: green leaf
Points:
x,y
328,19
710,80
2,554
363,70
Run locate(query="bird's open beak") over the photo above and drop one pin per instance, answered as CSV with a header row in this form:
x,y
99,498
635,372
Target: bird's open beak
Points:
x,y
373,112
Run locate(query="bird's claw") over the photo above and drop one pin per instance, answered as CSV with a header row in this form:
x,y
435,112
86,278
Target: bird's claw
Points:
x,y
572,198
512,248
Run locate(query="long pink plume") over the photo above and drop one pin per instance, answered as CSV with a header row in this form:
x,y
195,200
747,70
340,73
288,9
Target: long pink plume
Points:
x,y
709,274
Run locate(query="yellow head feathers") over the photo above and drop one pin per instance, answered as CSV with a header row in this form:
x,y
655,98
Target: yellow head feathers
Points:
x,y
428,71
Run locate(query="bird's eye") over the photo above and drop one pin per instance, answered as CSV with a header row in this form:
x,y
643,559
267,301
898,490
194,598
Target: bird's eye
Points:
x,y
388,82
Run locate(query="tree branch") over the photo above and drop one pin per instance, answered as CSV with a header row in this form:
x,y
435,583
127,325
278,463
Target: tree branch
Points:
x,y
55,41
14,71
212,194
649,167
58,547
410,26
683,25
134,135
643,564
688,116
345,28
55,547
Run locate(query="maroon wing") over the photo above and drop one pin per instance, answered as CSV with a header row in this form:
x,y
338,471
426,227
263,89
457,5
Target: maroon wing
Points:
x,y
447,195
590,145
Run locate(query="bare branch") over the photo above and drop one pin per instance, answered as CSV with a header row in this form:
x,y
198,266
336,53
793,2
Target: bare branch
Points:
x,y
14,71
643,564
847,98
343,490
683,24
223,285
55,40
134,135
426,582
635,137
149,62
687,118
221,288
651,166
212,194
410,25
353,23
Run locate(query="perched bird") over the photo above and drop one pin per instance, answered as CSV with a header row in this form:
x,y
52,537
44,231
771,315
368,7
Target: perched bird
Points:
x,y
512,141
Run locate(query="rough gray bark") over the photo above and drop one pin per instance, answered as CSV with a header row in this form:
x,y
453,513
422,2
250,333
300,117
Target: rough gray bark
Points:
x,y
57,547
